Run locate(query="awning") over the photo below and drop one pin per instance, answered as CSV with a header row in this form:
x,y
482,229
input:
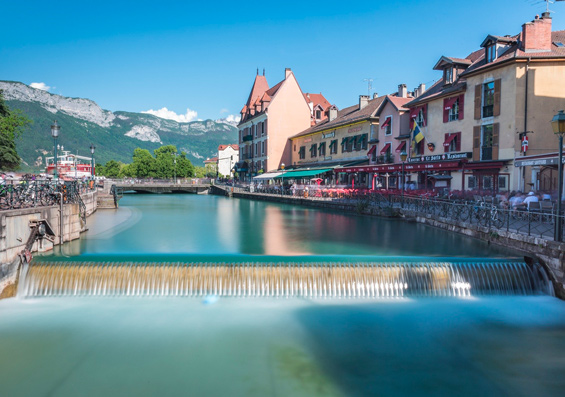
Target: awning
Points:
x,y
385,148
448,140
448,102
401,146
408,167
241,166
372,150
267,175
299,174
537,160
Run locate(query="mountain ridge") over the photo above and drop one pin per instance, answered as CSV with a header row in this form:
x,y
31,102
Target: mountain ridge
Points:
x,y
115,134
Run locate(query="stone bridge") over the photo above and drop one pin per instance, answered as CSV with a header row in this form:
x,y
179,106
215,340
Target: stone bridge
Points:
x,y
190,188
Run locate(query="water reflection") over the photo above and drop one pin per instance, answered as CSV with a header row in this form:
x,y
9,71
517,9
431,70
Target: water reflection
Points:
x,y
190,224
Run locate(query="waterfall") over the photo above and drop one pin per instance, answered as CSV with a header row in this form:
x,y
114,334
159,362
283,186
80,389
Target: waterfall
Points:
x,y
284,280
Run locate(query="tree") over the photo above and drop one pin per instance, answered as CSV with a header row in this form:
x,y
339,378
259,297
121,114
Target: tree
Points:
x,y
144,165
165,161
185,169
112,169
12,123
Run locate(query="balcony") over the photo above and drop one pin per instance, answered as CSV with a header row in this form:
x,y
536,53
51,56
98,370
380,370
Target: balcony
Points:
x,y
247,138
385,159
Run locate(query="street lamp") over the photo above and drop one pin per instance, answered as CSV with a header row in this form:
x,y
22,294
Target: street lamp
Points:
x,y
175,167
55,134
558,125
403,156
282,178
92,148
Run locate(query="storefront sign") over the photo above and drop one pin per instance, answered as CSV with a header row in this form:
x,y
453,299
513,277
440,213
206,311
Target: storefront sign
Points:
x,y
328,135
355,129
445,166
308,140
534,162
327,158
441,157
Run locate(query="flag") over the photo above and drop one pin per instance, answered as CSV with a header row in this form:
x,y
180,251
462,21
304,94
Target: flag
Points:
x,y
417,134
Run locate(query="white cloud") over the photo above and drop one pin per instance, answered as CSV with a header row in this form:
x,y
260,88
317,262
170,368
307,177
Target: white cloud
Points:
x,y
40,86
233,119
224,110
165,113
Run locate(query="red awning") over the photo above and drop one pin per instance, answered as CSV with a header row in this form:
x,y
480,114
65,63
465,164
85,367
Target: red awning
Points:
x,y
413,167
401,146
385,148
448,140
386,123
372,150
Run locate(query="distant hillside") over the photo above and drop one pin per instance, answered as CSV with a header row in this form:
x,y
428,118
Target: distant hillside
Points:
x,y
115,135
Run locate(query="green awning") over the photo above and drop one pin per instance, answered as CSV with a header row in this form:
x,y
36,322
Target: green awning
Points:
x,y
299,174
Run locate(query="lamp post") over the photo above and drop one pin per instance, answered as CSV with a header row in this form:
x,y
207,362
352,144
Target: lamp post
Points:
x,y
175,168
55,134
92,148
282,178
558,125
403,156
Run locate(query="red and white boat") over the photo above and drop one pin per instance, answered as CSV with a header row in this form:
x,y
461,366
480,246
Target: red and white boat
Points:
x,y
70,165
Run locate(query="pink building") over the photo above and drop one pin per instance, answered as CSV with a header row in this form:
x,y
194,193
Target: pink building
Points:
x,y
269,117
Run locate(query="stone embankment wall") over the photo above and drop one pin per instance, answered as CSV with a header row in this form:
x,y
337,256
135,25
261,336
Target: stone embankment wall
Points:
x,y
550,252
15,231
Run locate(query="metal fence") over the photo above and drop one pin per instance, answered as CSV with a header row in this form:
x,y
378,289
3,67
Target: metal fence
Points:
x,y
42,193
539,221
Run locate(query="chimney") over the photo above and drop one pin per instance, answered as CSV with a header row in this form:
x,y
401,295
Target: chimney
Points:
x,y
332,113
536,35
402,91
420,90
363,101
375,95
287,73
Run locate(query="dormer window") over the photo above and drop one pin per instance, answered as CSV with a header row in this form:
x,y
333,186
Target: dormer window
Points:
x,y
490,53
448,75
318,114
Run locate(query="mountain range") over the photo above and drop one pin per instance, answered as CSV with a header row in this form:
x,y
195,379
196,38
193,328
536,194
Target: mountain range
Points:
x,y
115,134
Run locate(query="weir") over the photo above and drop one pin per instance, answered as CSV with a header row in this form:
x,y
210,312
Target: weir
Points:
x,y
371,280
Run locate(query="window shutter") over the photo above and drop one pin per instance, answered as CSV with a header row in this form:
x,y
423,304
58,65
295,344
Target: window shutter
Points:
x,y
478,103
495,139
461,106
458,143
266,151
445,111
496,107
445,148
425,109
476,143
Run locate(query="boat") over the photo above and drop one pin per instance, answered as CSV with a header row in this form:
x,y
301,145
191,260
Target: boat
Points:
x,y
70,165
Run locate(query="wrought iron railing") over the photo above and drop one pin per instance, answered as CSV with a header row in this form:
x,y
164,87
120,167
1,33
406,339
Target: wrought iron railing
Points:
x,y
42,193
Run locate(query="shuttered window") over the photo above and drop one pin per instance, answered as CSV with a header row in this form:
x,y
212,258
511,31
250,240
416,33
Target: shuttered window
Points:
x,y
476,143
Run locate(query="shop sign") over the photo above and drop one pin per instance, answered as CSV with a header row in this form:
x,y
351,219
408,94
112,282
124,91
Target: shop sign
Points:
x,y
534,162
308,140
441,157
327,158
328,135
354,129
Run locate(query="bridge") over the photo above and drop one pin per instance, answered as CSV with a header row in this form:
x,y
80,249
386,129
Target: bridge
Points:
x,y
164,187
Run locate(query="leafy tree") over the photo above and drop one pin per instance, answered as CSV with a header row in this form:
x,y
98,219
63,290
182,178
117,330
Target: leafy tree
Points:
x,y
12,123
185,169
165,161
111,169
144,165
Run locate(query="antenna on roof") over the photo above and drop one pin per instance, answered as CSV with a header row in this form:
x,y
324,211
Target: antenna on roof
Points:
x,y
263,71
257,71
369,85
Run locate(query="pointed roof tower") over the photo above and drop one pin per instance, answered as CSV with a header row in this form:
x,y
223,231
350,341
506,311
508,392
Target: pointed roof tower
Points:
x,y
259,87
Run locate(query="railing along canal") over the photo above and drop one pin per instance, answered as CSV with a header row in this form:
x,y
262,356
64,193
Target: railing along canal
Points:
x,y
538,221
42,193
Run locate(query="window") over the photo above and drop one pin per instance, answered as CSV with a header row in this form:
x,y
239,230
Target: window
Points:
x,y
295,147
486,142
302,153
487,182
472,182
503,182
313,150
322,149
421,118
419,148
257,149
388,125
364,139
448,75
454,111
263,148
318,114
452,142
488,99
333,147
491,53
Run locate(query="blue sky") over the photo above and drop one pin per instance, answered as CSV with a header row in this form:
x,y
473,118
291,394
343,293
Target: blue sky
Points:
x,y
142,55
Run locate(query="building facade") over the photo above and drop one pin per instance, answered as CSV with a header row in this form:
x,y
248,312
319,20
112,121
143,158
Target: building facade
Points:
x,y
268,119
228,157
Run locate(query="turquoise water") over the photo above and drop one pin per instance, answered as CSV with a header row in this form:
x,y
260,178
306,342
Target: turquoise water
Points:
x,y
504,345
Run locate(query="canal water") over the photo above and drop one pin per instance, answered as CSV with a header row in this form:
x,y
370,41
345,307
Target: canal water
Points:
x,y
92,346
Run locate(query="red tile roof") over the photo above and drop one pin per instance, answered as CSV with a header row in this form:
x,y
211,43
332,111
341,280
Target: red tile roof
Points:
x,y
232,145
317,99
399,102
212,160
